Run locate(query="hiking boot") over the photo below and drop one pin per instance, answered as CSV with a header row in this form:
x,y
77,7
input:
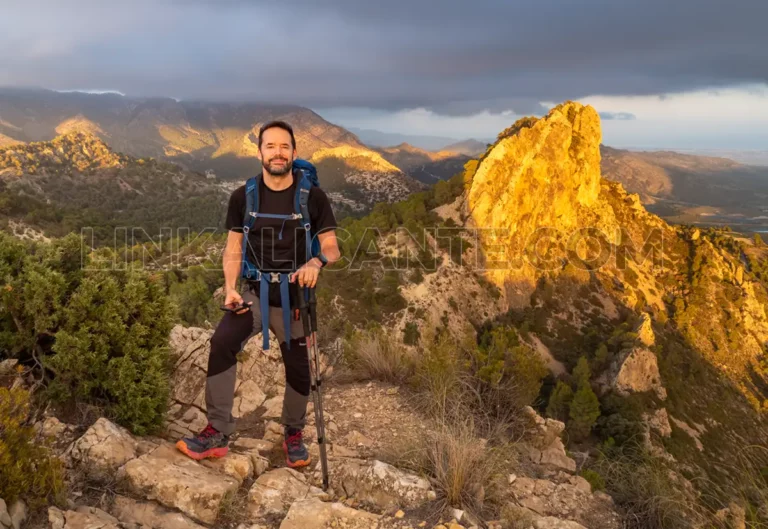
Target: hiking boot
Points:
x,y
296,454
208,443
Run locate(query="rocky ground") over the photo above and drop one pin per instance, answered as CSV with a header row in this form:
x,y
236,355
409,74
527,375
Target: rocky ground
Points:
x,y
121,481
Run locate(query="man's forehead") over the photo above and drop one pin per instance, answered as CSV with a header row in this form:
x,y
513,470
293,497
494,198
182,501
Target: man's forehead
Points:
x,y
276,135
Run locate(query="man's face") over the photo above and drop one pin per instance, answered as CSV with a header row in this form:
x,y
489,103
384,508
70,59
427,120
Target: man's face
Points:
x,y
277,152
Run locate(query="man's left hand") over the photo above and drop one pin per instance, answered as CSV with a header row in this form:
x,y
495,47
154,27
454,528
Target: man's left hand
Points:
x,y
307,274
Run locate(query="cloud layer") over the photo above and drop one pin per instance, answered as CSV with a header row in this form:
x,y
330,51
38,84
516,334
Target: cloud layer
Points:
x,y
451,57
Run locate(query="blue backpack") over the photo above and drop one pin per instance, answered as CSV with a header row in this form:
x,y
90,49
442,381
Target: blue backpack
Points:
x,y
306,176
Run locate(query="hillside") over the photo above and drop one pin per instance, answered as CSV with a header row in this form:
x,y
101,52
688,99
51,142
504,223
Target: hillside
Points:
x,y
76,181
668,325
536,350
425,166
359,178
685,188
222,137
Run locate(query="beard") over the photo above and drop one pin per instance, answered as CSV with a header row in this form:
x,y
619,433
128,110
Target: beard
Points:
x,y
277,169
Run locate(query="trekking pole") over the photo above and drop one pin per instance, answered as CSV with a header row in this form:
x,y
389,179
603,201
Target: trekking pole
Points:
x,y
309,318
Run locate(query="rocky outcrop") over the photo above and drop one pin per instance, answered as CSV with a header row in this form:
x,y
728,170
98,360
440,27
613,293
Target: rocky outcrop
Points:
x,y
546,171
635,370
567,498
103,449
171,478
82,518
275,491
381,484
658,421
12,516
150,514
315,514
542,443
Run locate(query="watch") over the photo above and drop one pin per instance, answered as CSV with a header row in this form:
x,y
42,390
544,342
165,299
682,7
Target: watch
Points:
x,y
323,260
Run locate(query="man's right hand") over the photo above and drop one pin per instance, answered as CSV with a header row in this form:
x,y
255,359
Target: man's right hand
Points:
x,y
234,299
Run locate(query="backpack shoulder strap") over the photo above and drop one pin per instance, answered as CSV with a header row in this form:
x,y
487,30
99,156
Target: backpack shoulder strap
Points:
x,y
251,201
247,270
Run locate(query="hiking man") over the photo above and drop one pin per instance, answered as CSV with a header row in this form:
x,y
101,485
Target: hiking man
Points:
x,y
277,246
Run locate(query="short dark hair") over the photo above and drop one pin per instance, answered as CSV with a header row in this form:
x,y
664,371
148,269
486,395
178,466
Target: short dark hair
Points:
x,y
277,124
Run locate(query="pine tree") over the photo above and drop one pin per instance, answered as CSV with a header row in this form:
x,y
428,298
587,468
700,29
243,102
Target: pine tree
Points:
x,y
560,401
585,409
581,373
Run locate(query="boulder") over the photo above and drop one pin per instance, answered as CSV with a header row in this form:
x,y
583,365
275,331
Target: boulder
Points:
x,y
18,513
567,498
176,481
315,514
239,466
274,492
5,517
103,449
542,443
83,518
381,484
150,514
635,370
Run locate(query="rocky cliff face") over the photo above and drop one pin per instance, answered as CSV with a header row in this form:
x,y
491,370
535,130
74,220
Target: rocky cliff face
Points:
x,y
670,319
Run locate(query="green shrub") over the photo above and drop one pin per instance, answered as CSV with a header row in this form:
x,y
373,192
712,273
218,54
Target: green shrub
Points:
x,y
595,480
411,333
101,335
27,469
508,368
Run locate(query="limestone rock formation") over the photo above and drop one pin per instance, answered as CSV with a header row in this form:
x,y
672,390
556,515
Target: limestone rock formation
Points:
x,y
128,510
82,518
275,491
546,172
543,444
382,485
568,498
104,448
635,371
174,480
315,514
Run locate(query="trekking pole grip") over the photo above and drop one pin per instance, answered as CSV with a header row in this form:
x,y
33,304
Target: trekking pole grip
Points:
x,y
313,308
303,310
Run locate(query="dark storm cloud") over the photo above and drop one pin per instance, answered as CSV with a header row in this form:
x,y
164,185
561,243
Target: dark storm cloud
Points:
x,y
454,57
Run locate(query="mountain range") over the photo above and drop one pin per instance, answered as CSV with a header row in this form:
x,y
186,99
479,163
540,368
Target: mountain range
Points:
x,y
221,139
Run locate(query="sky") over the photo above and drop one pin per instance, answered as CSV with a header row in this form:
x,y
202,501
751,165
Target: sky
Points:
x,y
682,73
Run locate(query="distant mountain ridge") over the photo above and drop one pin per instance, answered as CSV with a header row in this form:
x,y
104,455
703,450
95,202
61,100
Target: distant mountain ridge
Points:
x,y
76,181
198,135
425,166
682,187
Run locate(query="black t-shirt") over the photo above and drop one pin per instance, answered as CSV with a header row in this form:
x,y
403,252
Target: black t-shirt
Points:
x,y
267,250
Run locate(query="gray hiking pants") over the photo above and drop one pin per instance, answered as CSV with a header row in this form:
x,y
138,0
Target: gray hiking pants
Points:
x,y
228,340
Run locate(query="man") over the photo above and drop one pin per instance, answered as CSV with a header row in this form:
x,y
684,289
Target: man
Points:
x,y
274,245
